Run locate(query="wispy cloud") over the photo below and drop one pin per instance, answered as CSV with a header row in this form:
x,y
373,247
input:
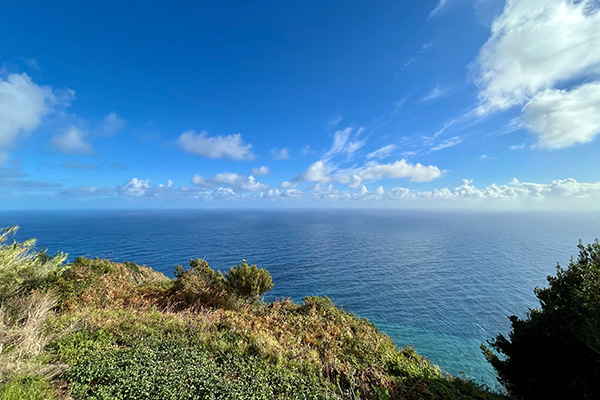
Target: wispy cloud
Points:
x,y
346,141
435,93
447,143
111,124
80,166
422,50
383,152
440,6
334,121
280,154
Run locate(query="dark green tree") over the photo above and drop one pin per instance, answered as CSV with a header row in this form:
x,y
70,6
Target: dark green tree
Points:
x,y
554,353
248,282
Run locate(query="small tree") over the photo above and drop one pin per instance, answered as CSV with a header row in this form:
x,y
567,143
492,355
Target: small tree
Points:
x,y
248,282
200,284
555,352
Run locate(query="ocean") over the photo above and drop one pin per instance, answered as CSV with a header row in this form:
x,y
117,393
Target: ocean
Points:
x,y
443,282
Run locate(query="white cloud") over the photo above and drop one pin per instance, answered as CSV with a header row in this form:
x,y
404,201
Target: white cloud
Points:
x,y
440,6
231,180
562,118
71,142
557,194
230,146
335,121
535,45
400,169
345,141
111,124
134,187
565,190
321,172
282,154
435,94
23,104
383,152
260,171
316,172
447,143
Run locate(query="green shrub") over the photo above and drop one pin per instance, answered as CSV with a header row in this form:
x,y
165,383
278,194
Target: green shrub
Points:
x,y
248,282
201,285
27,388
555,351
22,268
171,369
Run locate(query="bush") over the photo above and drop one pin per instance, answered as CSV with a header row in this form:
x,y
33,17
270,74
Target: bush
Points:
x,y
21,268
172,369
201,285
555,351
248,282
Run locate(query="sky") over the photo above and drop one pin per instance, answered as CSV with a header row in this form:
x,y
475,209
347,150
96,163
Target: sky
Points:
x,y
473,104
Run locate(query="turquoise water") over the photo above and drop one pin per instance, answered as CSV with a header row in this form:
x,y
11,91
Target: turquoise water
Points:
x,y
443,282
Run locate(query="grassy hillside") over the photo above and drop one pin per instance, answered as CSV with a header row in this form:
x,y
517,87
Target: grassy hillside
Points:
x,y
95,329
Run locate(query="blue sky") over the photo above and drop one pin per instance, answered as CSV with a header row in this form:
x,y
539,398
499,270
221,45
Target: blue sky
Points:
x,y
445,103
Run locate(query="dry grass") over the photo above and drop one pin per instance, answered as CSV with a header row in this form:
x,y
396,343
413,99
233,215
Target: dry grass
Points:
x,y
22,324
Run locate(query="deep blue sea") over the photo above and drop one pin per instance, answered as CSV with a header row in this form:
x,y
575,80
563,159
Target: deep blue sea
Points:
x,y
443,282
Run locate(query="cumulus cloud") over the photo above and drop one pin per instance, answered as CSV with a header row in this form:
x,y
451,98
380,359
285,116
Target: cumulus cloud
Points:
x,y
134,187
282,154
231,180
561,118
400,169
515,194
383,152
316,172
565,189
230,146
535,45
71,141
111,124
23,104
260,171
321,172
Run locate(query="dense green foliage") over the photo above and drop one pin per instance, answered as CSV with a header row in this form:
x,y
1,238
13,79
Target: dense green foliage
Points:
x,y
27,388
96,329
555,352
248,282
